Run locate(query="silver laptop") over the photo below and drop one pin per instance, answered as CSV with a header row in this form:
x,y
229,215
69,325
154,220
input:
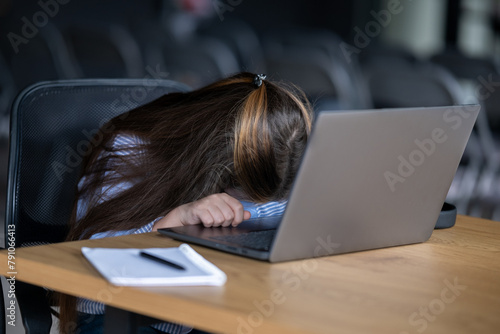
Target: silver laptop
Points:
x,y
368,179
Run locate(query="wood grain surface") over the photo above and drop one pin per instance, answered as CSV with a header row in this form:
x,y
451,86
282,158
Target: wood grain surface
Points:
x,y
449,284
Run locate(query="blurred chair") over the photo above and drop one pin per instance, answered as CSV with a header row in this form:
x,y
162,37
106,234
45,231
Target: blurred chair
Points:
x,y
324,85
330,44
151,35
44,57
463,66
377,52
298,47
198,61
422,84
7,92
474,73
479,78
45,161
242,40
103,51
412,85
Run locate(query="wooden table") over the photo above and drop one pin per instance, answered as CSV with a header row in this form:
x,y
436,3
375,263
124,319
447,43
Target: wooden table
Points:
x,y
450,284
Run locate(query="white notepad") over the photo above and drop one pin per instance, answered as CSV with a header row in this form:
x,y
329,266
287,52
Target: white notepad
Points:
x,y
124,266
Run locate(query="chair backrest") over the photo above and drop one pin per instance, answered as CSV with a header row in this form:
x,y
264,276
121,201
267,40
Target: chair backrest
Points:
x,y
328,44
477,74
243,41
103,50
313,72
34,62
199,61
54,125
463,66
419,84
45,57
310,56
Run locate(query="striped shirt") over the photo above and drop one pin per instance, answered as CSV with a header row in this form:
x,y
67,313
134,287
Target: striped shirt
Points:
x,y
122,142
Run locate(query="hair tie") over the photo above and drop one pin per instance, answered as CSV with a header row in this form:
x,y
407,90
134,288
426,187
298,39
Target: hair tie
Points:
x,y
257,80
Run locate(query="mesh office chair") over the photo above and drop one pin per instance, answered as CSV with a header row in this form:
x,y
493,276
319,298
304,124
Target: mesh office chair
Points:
x,y
52,128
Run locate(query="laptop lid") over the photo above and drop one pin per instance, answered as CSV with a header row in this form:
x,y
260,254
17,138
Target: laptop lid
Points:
x,y
368,179
372,179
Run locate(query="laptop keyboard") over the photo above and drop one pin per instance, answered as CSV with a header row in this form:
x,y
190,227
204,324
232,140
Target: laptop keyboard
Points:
x,y
260,240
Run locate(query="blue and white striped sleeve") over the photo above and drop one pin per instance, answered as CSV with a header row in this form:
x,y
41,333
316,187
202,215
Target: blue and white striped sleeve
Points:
x,y
144,229
265,210
271,209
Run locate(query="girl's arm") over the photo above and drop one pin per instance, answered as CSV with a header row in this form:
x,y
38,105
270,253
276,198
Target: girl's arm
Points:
x,y
211,211
219,210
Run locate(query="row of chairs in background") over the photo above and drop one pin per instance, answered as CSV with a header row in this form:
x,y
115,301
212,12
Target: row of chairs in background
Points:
x,y
377,77
111,50
397,78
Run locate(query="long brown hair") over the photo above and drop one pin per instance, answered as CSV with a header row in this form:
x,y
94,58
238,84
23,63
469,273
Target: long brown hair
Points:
x,y
230,134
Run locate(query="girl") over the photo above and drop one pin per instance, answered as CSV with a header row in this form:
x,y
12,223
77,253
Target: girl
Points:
x,y
214,156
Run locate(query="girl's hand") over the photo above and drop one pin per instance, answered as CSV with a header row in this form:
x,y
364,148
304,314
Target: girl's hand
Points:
x,y
211,211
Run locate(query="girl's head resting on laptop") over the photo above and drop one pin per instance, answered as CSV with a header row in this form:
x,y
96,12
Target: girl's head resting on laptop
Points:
x,y
243,136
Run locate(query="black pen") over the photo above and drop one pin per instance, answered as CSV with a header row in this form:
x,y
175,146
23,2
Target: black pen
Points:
x,y
160,260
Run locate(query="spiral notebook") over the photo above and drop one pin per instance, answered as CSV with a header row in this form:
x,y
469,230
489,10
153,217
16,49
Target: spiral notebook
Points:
x,y
126,267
